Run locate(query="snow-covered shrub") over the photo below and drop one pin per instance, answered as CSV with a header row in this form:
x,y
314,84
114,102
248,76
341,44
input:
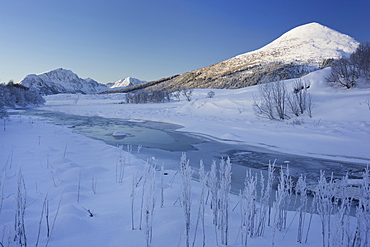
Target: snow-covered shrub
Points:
x,y
265,199
201,210
213,188
12,95
248,207
150,199
225,186
362,235
20,230
219,184
324,194
301,190
186,174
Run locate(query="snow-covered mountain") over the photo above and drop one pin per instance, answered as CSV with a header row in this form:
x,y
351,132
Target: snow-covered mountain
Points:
x,y
297,52
126,82
61,81
309,44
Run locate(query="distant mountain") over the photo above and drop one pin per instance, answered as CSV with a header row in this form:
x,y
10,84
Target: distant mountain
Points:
x,y
61,81
299,51
110,84
126,82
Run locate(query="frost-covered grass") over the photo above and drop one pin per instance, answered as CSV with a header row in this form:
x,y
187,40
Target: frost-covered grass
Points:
x,y
64,189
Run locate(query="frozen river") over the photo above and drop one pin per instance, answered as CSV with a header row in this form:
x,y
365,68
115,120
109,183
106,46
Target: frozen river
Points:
x,y
165,143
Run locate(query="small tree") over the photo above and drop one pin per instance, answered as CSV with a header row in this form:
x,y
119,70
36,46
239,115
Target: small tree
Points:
x,y
272,101
177,95
300,100
187,93
344,73
361,59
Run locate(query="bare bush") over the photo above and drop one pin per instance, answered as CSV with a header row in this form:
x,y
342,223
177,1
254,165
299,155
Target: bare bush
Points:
x,y
142,97
272,101
343,73
361,59
346,72
276,103
177,95
211,94
300,100
187,93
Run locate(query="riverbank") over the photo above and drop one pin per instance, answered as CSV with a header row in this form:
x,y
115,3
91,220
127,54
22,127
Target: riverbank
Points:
x,y
338,130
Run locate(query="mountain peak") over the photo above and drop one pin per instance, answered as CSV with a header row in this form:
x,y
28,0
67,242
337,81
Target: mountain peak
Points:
x,y
61,81
309,43
314,32
126,82
301,50
308,28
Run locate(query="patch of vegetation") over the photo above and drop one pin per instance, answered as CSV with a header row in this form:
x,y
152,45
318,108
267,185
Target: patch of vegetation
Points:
x,y
346,72
15,95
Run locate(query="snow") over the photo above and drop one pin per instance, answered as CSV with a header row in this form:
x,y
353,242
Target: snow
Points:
x,y
55,162
339,128
80,174
308,44
119,133
126,82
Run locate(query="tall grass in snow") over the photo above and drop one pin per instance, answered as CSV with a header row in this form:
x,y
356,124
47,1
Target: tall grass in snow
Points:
x,y
186,174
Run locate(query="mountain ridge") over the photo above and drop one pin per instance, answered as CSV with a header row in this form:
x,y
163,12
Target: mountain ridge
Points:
x,y
299,51
61,81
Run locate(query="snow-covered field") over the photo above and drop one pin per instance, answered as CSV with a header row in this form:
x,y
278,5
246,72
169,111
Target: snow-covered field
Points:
x,y
59,188
339,128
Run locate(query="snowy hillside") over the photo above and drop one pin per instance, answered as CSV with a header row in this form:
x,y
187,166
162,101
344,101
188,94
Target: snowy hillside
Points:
x,y
126,82
308,44
297,52
61,81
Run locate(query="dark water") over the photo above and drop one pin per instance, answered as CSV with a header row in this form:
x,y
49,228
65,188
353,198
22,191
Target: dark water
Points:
x,y
166,144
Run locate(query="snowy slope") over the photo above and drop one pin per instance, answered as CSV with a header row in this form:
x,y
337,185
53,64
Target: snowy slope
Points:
x,y
61,81
299,51
126,82
307,44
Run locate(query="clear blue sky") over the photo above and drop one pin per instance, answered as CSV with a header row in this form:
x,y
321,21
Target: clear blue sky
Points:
x,y
149,39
